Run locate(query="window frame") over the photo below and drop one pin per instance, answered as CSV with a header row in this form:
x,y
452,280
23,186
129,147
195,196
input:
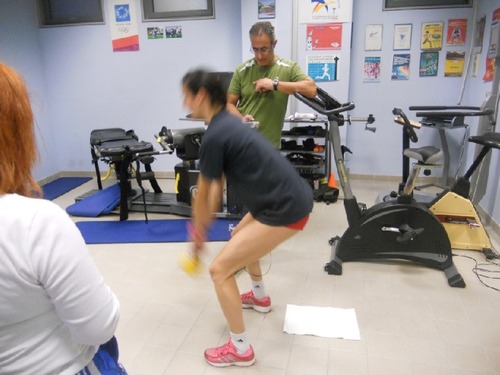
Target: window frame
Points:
x,y
425,4
45,20
149,14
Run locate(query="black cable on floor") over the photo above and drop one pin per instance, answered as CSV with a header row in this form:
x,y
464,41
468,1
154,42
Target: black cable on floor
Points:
x,y
483,273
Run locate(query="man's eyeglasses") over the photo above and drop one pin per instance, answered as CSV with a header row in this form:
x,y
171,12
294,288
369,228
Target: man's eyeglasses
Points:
x,y
263,50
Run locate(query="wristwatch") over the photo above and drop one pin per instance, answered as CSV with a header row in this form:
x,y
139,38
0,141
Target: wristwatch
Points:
x,y
276,82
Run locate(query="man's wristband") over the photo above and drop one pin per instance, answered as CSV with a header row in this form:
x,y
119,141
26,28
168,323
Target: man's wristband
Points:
x,y
276,82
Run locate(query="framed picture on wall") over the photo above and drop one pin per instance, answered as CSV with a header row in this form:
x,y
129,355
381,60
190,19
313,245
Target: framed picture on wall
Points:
x,y
402,36
428,64
456,32
373,37
479,35
266,9
432,36
454,63
371,69
401,67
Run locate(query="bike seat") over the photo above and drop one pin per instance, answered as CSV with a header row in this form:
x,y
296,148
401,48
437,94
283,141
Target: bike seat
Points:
x,y
490,139
428,155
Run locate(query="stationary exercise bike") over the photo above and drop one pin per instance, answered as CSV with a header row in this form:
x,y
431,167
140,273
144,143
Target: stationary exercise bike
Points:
x,y
427,157
453,206
403,229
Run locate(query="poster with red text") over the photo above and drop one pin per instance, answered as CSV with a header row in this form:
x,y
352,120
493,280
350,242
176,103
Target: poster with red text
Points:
x,y
324,37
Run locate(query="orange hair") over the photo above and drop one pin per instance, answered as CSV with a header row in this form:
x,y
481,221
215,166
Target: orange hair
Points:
x,y
18,153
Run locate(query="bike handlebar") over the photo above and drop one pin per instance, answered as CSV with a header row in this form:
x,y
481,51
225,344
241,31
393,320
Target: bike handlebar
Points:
x,y
325,104
399,112
407,124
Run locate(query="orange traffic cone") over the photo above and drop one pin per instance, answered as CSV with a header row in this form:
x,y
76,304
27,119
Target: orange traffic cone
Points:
x,y
331,181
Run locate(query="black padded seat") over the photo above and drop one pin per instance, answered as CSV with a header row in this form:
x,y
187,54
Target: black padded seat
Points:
x,y
113,142
428,155
120,147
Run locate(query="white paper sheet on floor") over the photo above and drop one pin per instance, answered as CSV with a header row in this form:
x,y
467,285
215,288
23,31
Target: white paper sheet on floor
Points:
x,y
321,321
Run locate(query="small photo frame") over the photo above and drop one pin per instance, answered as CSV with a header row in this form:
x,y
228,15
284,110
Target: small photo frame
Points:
x,y
402,37
156,32
266,9
373,37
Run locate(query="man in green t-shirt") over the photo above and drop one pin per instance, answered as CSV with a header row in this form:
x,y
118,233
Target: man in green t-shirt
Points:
x,y
260,86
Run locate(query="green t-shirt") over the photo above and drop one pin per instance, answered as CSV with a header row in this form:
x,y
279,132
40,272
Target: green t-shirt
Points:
x,y
269,108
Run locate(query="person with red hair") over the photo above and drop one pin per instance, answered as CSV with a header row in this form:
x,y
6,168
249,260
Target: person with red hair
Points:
x,y
57,315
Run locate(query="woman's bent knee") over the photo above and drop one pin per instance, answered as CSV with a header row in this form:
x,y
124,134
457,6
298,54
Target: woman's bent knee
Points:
x,y
217,272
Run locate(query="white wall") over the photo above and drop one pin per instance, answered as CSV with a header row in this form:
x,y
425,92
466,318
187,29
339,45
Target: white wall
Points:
x,y
380,153
20,48
93,87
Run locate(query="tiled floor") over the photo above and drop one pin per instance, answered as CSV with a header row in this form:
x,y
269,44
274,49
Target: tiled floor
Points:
x,y
410,320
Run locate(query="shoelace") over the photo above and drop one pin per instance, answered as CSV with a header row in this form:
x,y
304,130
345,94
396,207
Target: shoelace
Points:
x,y
247,295
223,349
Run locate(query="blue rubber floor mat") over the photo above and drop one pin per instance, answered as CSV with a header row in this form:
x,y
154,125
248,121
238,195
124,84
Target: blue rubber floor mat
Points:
x,y
102,202
138,231
61,186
